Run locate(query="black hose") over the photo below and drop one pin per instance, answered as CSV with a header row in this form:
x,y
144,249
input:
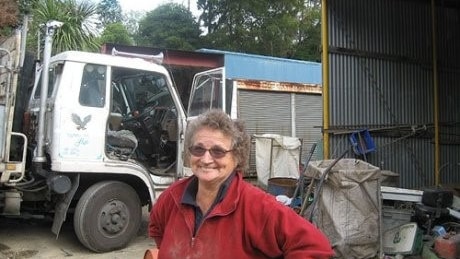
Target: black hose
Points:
x,y
302,176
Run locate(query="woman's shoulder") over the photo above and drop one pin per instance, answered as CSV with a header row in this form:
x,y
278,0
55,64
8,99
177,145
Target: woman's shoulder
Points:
x,y
256,193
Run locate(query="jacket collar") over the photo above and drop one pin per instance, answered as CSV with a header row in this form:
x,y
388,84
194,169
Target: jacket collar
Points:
x,y
189,196
229,201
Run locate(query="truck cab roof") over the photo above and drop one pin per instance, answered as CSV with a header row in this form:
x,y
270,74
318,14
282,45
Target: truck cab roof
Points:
x,y
111,60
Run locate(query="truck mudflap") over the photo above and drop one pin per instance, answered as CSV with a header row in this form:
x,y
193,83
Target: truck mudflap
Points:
x,y
63,205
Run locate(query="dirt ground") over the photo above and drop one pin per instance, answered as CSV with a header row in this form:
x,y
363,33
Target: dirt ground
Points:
x,y
32,238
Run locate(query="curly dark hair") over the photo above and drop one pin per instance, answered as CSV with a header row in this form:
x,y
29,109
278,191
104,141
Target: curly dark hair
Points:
x,y
219,120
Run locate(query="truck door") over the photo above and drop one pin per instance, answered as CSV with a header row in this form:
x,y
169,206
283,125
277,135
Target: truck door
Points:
x,y
209,91
83,115
148,110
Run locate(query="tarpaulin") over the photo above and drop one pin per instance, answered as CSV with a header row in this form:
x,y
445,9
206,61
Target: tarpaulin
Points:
x,y
348,208
277,156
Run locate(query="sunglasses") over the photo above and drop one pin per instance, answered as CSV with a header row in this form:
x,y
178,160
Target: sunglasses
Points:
x,y
215,152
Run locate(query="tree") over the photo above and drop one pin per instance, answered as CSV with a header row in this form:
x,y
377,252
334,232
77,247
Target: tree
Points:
x,y
79,29
271,27
109,12
116,33
308,43
131,22
169,26
8,16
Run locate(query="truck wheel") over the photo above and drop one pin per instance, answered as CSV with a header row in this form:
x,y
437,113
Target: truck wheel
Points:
x,y
107,216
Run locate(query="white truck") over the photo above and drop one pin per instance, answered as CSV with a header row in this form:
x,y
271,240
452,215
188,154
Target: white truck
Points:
x,y
100,141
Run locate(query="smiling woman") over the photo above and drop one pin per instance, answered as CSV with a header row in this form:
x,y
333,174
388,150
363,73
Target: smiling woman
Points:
x,y
216,214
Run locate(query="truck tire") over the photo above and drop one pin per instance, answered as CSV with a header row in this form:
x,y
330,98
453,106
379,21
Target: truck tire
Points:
x,y
107,216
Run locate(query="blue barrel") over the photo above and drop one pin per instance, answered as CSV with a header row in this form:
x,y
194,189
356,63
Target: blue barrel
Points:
x,y
282,186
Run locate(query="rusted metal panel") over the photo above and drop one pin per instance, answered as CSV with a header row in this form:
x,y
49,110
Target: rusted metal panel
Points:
x,y
279,86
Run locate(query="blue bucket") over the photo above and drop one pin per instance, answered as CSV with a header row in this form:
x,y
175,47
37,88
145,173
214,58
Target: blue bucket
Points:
x,y
282,186
362,142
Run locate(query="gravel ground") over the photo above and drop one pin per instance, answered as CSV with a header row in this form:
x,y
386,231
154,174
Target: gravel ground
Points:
x,y
21,239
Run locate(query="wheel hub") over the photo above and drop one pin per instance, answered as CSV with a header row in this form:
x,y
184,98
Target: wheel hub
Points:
x,y
114,217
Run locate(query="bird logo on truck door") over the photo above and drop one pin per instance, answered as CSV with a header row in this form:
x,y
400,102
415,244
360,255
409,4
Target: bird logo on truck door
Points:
x,y
81,124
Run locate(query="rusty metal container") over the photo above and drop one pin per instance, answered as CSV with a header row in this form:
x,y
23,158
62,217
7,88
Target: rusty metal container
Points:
x,y
448,246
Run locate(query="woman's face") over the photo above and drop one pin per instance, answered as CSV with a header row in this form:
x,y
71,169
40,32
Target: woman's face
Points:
x,y
206,167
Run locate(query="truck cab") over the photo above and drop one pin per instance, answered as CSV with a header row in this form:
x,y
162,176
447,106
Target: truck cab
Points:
x,y
110,109
112,137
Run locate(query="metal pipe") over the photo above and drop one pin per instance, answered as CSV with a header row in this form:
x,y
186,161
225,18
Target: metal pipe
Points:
x,y
325,75
301,181
435,95
51,26
157,59
293,116
13,182
25,28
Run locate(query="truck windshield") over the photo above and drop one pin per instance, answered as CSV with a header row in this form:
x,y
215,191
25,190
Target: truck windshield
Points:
x,y
206,93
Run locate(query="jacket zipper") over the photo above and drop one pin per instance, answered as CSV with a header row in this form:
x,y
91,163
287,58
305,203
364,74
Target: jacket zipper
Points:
x,y
210,215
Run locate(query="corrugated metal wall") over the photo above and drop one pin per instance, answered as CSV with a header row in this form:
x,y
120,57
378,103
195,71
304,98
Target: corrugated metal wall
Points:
x,y
381,77
267,112
308,112
449,91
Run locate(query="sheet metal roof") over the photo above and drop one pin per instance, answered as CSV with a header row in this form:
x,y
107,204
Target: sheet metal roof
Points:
x,y
258,67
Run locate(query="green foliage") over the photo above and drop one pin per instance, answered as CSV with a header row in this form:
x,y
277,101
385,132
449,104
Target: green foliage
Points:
x,y
78,31
109,12
308,43
131,22
169,26
26,6
116,33
283,28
